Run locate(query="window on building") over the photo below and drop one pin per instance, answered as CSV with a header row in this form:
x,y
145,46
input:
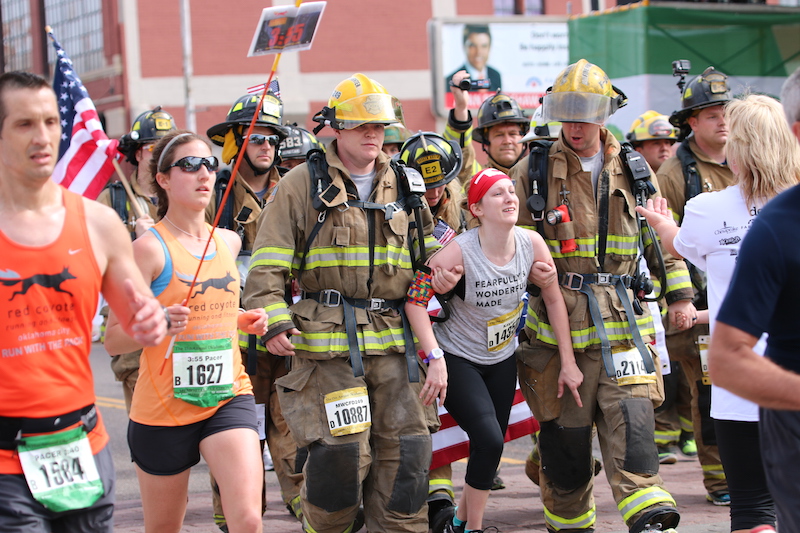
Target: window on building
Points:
x,y
78,26
517,7
17,40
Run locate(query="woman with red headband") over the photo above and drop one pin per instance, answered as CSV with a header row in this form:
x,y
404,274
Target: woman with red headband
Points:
x,y
477,341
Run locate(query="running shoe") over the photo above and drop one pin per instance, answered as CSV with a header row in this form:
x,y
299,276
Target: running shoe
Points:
x,y
719,497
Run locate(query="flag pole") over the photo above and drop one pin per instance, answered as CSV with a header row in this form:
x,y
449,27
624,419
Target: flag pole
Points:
x,y
234,175
127,186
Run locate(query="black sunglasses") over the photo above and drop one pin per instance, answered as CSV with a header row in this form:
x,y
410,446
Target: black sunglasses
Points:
x,y
193,163
259,139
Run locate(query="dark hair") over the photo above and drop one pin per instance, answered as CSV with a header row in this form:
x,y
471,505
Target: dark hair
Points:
x,y
161,164
469,29
18,79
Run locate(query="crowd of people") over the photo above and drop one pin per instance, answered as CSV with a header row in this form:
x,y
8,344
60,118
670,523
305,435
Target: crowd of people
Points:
x,y
324,314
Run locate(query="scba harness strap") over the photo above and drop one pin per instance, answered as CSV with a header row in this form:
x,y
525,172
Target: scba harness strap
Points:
x,y
639,180
322,188
581,283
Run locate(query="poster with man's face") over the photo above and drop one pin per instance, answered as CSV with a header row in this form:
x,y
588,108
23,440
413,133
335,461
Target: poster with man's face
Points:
x,y
520,57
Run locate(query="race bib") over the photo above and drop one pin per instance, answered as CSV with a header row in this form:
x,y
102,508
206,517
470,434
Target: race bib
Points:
x,y
60,470
629,367
202,371
500,331
702,343
348,411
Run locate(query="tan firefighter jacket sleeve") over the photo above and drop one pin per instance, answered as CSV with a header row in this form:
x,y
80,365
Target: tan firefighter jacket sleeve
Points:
x,y
622,247
338,258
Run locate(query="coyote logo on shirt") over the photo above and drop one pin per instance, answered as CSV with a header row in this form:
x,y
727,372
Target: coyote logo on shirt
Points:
x,y
50,281
211,283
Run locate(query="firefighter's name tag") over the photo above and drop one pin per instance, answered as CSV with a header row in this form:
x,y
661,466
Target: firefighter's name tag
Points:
x,y
702,343
500,331
629,367
348,411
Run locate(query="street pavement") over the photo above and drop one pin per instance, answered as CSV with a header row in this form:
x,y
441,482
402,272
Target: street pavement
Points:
x,y
516,508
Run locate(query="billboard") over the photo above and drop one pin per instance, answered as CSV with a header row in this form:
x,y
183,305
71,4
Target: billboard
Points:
x,y
520,55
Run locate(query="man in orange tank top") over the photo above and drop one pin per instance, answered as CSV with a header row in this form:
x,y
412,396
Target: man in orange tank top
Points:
x,y
59,251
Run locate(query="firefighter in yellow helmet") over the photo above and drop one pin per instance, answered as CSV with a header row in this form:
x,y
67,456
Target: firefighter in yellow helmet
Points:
x,y
653,136
579,198
341,225
699,165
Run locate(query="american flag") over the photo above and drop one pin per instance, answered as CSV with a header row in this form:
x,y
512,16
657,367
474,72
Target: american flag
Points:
x,y
274,88
86,153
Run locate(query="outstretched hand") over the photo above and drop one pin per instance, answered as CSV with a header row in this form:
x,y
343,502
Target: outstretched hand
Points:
x,y
148,324
656,212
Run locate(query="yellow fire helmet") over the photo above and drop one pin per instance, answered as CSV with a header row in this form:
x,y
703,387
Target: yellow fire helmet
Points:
x,y
651,126
581,92
539,130
359,100
395,134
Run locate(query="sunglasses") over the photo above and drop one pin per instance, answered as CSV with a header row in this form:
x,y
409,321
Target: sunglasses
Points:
x,y
259,139
149,147
193,163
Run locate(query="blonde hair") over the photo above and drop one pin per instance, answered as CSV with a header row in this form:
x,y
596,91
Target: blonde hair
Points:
x,y
450,209
761,146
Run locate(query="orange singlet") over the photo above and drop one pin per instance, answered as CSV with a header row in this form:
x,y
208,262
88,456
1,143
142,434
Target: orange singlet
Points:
x,y
48,298
214,308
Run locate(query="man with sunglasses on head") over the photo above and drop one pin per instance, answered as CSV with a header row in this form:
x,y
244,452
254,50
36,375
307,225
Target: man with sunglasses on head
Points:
x,y
258,175
137,147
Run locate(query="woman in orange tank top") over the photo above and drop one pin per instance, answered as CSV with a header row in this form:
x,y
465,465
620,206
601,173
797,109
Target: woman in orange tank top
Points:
x,y
193,396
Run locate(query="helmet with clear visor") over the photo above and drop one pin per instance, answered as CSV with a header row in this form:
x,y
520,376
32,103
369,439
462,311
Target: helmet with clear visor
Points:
x,y
582,92
356,101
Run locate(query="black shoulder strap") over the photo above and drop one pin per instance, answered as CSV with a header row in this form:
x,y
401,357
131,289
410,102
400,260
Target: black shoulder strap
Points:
x,y
690,173
119,200
537,181
226,218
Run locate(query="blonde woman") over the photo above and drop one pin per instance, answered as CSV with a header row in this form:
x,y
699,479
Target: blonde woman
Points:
x,y
765,159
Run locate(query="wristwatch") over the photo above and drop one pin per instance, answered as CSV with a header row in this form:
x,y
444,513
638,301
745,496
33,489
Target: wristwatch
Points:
x,y
436,353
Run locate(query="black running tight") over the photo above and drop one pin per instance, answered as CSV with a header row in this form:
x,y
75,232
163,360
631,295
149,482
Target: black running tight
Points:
x,y
479,397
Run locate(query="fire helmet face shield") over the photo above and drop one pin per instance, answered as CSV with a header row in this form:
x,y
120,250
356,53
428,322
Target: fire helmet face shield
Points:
x,y
540,129
148,127
652,126
437,159
356,101
270,115
298,143
581,92
498,109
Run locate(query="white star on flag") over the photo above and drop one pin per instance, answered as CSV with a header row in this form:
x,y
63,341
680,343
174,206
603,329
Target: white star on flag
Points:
x,y
86,153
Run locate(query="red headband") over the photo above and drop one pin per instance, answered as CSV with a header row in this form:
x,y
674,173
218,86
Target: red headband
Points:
x,y
482,182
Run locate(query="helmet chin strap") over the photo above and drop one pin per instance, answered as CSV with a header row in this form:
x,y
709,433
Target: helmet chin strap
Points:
x,y
257,171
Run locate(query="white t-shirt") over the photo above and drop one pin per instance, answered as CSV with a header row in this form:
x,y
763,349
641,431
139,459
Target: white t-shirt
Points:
x,y
593,164
363,183
714,225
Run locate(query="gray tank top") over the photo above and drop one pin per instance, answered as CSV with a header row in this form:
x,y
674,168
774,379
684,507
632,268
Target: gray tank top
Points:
x,y
481,327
